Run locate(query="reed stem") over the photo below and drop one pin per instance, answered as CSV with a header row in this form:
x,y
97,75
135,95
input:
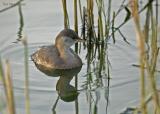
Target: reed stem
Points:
x,y
148,60
107,26
80,9
90,19
9,89
100,20
141,45
21,22
75,17
66,18
1,71
27,97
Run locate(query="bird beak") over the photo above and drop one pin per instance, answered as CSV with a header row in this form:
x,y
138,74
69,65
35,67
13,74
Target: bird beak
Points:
x,y
80,40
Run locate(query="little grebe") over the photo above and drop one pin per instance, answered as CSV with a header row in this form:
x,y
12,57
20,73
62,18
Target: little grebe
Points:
x,y
60,55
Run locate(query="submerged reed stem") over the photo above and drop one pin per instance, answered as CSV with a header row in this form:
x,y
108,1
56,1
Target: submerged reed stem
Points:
x,y
27,99
21,22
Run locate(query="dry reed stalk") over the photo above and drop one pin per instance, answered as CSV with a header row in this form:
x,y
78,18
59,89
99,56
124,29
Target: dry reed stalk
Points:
x,y
9,89
150,66
141,46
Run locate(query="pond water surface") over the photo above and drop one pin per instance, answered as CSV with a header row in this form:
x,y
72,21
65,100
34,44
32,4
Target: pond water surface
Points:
x,y
43,19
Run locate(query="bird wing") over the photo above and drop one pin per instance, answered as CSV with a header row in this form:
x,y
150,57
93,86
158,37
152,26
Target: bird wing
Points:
x,y
47,56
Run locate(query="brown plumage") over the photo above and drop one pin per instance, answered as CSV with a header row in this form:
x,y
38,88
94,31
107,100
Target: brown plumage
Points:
x,y
60,55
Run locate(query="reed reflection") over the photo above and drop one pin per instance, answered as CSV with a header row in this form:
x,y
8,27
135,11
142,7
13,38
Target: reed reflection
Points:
x,y
21,23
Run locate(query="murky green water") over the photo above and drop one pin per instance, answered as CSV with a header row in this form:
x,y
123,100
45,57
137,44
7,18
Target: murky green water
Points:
x,y
43,19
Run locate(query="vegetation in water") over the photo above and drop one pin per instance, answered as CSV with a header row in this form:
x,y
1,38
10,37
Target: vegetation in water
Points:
x,y
97,33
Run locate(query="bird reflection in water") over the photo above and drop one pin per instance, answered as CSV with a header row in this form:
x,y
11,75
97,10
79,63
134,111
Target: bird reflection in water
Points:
x,y
65,90
60,60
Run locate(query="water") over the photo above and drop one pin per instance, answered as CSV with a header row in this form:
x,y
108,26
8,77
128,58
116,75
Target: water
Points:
x,y
43,19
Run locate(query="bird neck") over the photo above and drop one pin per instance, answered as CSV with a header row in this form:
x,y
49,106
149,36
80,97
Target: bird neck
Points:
x,y
64,82
64,50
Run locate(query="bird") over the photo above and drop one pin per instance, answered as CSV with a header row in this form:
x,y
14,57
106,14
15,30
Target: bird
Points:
x,y
59,55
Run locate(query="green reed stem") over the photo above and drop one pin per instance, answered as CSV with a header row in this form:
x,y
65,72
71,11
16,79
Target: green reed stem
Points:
x,y
76,23
75,17
107,27
147,23
156,11
102,60
105,19
100,20
113,36
27,98
21,22
66,18
1,71
76,49
90,19
84,23
80,10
